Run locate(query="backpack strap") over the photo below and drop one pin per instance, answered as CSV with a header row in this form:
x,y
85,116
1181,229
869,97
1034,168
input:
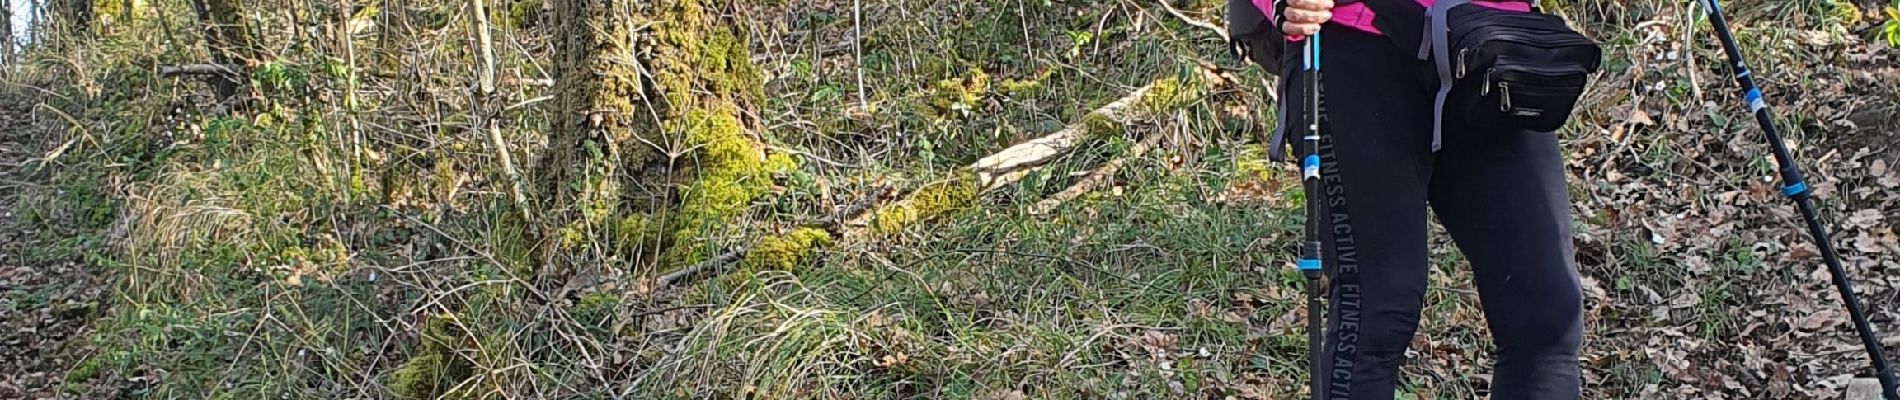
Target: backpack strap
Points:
x,y
1441,55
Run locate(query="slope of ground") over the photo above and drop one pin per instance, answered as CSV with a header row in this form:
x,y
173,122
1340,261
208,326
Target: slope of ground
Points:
x,y
46,300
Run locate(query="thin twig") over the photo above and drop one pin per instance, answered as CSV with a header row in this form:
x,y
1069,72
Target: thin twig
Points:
x,y
670,309
199,69
1194,22
1688,51
525,103
833,221
857,48
486,90
715,263
815,157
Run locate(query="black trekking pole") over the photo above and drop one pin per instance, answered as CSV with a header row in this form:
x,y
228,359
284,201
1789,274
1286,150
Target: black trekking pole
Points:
x,y
1794,187
1310,252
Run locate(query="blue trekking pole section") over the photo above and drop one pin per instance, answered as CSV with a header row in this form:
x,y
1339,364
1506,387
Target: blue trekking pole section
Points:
x,y
1309,263
1796,188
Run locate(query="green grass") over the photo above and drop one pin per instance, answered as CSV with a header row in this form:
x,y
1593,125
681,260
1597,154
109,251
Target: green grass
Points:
x,y
1022,300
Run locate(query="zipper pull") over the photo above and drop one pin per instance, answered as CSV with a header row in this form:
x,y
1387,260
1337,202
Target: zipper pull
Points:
x,y
1462,62
1485,90
1504,92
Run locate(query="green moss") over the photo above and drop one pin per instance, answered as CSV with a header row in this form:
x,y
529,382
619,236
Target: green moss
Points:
x,y
634,229
786,251
928,202
434,367
1173,92
85,371
959,96
1166,94
732,172
523,13
1029,86
1252,163
702,57
702,82
1098,125
418,378
114,12
596,309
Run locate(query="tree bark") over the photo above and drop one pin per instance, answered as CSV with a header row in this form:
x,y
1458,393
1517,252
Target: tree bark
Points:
x,y
227,38
77,17
6,31
652,156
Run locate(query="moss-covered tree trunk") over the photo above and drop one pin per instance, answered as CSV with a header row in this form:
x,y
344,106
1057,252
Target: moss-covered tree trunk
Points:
x,y
652,161
227,38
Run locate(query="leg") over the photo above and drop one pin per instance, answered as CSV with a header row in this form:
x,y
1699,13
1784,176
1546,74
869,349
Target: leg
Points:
x,y
1375,163
1503,198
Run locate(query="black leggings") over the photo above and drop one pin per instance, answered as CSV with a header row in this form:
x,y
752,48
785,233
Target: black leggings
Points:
x,y
1501,195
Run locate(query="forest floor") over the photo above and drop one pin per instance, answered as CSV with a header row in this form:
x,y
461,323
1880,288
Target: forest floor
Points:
x,y
152,246
45,303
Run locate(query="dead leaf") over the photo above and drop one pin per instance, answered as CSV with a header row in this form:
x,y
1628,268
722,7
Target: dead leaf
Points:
x,y
1159,341
1802,252
1696,264
1005,395
1199,308
1865,218
1593,289
1868,244
1638,117
1687,299
1817,320
1287,320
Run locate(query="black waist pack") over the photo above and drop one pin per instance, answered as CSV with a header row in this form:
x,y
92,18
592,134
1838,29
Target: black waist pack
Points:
x,y
1509,69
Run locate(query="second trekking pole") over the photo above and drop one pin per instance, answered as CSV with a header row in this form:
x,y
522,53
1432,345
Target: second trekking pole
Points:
x,y
1796,188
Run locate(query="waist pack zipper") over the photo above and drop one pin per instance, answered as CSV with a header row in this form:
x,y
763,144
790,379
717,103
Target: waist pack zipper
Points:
x,y
1504,97
1462,63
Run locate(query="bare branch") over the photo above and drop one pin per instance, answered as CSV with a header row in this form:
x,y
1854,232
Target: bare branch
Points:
x,y
716,263
1194,22
199,69
1096,178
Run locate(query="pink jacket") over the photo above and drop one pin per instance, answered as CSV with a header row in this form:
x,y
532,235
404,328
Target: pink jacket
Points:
x,y
1358,16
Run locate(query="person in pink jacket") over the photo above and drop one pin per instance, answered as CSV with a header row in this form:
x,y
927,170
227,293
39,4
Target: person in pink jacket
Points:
x,y
1501,194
